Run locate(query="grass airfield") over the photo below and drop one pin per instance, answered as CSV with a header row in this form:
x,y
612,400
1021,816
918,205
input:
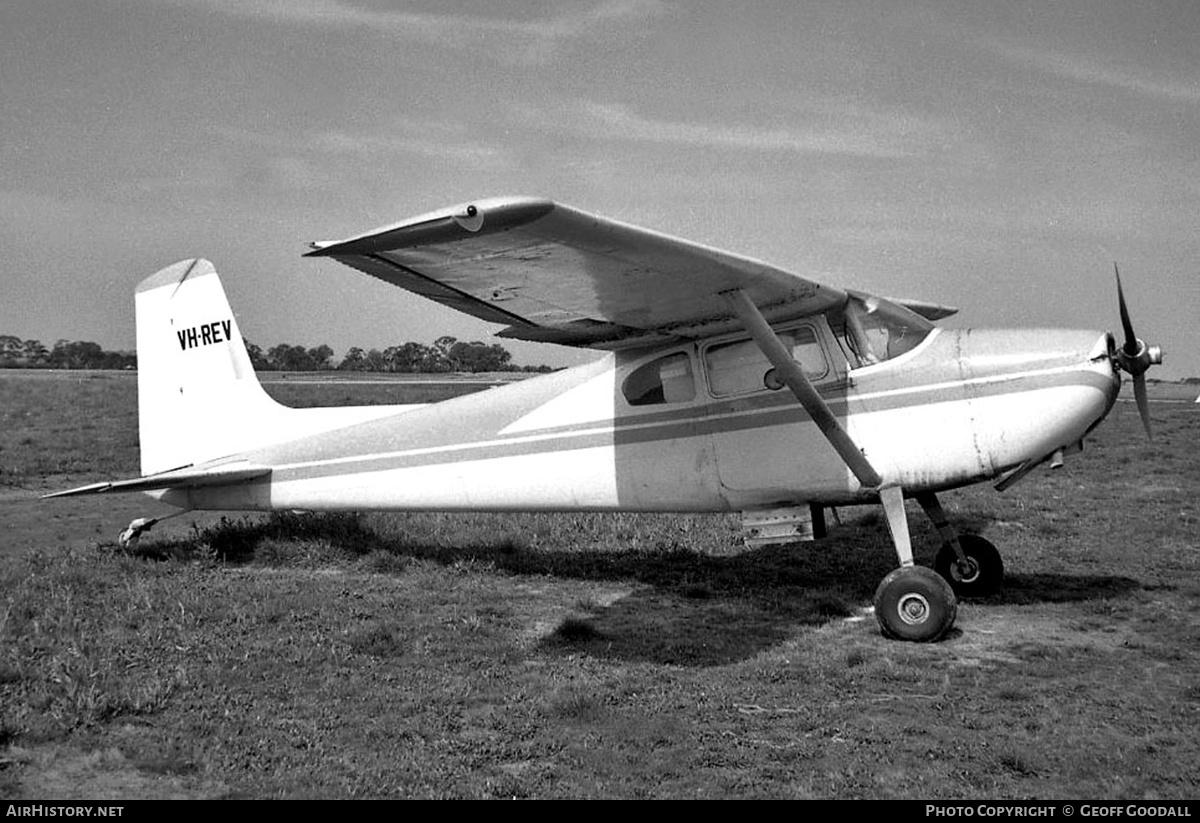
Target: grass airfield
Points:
x,y
617,656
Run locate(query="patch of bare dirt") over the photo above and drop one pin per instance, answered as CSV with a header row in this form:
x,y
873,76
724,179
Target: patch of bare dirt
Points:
x,y
63,772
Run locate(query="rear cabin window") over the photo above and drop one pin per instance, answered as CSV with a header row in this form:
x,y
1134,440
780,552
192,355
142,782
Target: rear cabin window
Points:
x,y
665,380
740,366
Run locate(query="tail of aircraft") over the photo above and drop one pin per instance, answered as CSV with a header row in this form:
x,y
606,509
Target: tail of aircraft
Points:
x,y
202,414
198,396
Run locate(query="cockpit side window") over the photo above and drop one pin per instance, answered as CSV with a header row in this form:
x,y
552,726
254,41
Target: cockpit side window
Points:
x,y
740,366
875,329
668,379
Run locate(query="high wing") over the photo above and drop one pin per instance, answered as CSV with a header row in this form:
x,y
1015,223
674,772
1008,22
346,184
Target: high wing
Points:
x,y
556,274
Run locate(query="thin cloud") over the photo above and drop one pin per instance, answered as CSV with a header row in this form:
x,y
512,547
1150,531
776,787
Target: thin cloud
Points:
x,y
426,139
465,152
533,40
1094,71
862,134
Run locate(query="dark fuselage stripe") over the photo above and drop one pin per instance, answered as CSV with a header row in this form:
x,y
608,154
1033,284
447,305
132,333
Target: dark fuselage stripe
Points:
x,y
762,411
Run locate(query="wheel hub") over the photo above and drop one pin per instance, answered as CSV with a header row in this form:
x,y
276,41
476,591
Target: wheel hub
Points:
x,y
966,571
913,608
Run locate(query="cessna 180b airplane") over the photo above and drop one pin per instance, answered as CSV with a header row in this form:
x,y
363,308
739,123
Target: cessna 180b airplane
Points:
x,y
726,384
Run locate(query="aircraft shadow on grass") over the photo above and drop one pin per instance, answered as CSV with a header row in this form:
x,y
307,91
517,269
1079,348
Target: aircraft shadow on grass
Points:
x,y
683,608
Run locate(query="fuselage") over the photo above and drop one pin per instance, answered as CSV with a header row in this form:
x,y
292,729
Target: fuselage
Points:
x,y
695,427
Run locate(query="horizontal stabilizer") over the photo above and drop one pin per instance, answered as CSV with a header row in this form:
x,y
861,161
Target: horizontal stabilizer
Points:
x,y
185,477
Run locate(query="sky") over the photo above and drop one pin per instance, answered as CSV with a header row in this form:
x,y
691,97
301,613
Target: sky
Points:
x,y
998,157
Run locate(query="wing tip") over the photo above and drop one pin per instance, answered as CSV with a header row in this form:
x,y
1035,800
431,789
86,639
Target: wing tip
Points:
x,y
492,213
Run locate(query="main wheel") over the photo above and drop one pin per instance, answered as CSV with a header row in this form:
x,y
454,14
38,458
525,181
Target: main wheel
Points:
x,y
915,603
985,572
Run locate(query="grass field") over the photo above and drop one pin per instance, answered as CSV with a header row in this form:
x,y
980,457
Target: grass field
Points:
x,y
615,656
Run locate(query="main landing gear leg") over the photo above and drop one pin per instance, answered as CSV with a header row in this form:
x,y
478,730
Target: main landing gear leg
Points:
x,y
969,563
913,602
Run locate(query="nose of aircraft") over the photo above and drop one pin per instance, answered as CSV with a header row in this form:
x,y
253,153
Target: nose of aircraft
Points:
x,y
1036,390
1015,354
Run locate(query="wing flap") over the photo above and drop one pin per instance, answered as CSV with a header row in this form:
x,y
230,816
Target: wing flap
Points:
x,y
181,478
392,272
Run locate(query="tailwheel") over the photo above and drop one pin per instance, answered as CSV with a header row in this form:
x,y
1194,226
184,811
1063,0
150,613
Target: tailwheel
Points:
x,y
915,603
982,573
129,538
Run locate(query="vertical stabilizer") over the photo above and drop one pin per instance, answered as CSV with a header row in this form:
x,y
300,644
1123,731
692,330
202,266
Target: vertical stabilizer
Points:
x,y
198,397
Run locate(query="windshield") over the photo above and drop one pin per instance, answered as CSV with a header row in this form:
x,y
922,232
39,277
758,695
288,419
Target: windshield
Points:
x,y
878,330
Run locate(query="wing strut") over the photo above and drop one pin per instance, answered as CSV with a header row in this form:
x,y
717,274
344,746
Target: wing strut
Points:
x,y
792,375
912,602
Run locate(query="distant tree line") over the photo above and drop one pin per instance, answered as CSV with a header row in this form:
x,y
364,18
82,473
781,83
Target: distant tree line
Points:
x,y
447,354
66,354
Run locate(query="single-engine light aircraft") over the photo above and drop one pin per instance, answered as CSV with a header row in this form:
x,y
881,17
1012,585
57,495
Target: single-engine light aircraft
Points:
x,y
726,384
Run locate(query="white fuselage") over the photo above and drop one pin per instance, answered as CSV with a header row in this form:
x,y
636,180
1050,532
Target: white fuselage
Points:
x,y
960,407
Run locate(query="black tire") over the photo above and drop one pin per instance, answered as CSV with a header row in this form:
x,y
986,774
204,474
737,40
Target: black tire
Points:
x,y
987,574
915,603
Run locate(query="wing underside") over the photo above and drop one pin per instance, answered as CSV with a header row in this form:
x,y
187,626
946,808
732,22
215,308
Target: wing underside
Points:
x,y
555,274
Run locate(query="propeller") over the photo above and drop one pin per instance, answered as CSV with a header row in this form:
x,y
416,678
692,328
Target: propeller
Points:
x,y
1135,357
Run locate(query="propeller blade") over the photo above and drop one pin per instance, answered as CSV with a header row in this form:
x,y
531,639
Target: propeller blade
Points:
x,y
1135,357
1143,404
1131,341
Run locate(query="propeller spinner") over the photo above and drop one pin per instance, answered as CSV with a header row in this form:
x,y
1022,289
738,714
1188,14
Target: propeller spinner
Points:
x,y
1135,357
